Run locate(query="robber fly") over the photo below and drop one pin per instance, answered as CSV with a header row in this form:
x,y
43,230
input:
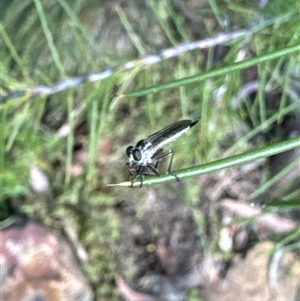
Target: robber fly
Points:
x,y
147,153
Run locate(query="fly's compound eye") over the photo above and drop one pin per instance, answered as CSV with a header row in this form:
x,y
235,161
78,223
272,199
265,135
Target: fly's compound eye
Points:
x,y
137,155
129,150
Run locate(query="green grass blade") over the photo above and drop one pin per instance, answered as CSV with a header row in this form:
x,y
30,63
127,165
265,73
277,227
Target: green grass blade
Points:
x,y
49,37
133,36
216,72
13,51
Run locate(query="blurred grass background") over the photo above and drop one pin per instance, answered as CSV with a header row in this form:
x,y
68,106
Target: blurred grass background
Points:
x,y
43,42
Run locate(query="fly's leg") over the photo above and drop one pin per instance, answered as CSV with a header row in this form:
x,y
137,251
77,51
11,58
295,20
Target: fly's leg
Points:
x,y
170,153
170,167
153,169
131,177
141,170
141,174
136,174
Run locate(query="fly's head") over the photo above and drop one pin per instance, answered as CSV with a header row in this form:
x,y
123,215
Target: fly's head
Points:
x,y
136,153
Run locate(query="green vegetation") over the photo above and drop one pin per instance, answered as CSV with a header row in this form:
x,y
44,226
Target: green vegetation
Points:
x,y
78,136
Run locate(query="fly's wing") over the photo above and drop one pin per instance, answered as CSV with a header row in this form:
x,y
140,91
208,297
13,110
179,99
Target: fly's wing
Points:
x,y
169,134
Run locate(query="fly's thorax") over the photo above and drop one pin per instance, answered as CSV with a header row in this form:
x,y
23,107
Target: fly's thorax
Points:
x,y
143,145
